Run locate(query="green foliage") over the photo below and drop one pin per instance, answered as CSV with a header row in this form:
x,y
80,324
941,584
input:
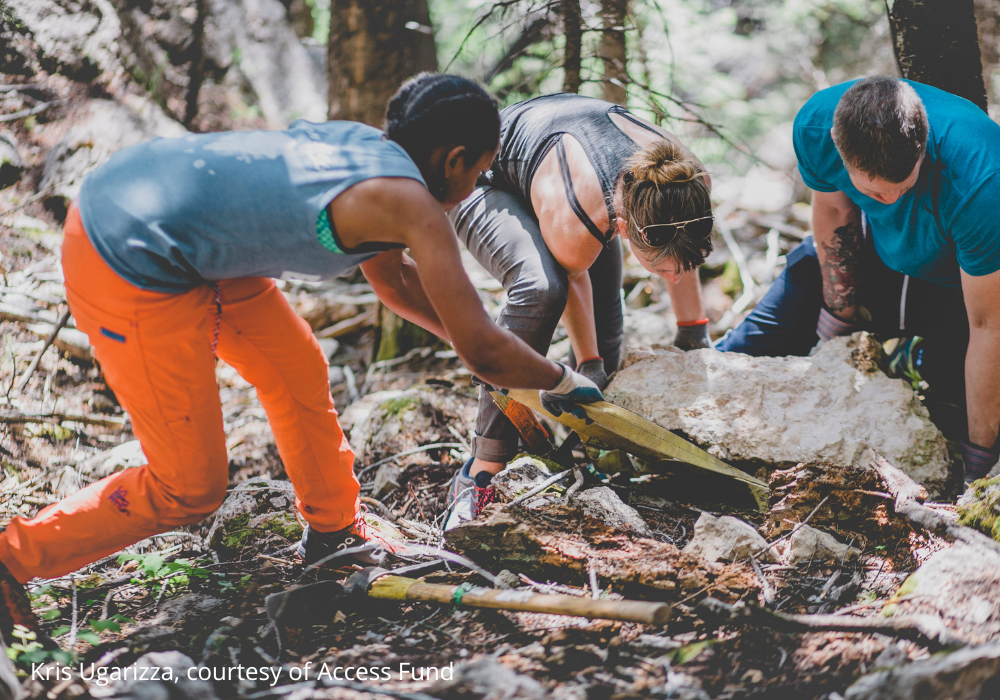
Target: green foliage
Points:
x,y
981,508
7,15
174,575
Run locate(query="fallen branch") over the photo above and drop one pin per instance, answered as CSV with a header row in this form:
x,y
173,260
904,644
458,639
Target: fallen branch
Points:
x,y
29,112
423,448
348,326
15,417
38,358
907,494
927,630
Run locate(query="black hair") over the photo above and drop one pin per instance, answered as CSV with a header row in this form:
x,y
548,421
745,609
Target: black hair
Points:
x,y
435,109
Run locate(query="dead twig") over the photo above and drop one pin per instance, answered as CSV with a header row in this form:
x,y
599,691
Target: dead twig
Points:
x,y
798,526
417,501
38,358
538,489
927,630
56,418
29,112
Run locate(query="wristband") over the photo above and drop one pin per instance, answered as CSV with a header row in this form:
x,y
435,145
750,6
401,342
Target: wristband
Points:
x,y
829,326
688,324
595,357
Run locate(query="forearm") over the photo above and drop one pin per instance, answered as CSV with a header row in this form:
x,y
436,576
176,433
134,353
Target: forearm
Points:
x,y
578,318
685,298
838,236
398,286
982,385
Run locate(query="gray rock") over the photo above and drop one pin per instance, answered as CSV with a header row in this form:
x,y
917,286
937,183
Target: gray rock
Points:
x,y
970,672
810,544
176,611
649,328
178,665
125,456
727,539
605,505
520,476
488,679
767,408
11,165
386,480
236,520
960,584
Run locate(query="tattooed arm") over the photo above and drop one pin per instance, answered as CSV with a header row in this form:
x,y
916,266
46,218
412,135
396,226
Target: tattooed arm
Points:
x,y
837,234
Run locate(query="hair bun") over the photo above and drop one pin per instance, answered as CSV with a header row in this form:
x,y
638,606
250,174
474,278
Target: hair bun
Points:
x,y
664,162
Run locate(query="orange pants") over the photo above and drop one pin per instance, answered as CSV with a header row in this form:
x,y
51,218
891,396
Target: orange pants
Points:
x,y
156,353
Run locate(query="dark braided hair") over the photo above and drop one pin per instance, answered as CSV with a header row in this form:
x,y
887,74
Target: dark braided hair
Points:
x,y
434,109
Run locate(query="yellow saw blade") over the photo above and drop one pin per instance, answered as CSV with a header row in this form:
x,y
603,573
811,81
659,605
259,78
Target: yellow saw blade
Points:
x,y
620,428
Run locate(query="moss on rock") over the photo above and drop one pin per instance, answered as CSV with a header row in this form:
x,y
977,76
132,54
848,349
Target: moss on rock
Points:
x,y
979,508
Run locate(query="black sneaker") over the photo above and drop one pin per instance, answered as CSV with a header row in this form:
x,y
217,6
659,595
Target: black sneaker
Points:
x,y
15,606
367,528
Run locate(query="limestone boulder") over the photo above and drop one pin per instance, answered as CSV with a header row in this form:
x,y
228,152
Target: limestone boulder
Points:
x,y
971,672
727,539
810,544
961,585
829,407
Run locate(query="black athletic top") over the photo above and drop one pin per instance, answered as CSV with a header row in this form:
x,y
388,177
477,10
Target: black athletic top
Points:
x,y
530,129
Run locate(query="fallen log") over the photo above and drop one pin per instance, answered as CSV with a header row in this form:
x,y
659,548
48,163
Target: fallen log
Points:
x,y
907,495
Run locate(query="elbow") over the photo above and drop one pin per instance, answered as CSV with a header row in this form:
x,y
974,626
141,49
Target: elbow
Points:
x,y
485,363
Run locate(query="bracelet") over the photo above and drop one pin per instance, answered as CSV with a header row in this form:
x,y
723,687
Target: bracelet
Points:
x,y
688,324
595,357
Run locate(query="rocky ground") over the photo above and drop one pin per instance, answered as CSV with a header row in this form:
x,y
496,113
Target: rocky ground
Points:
x,y
851,583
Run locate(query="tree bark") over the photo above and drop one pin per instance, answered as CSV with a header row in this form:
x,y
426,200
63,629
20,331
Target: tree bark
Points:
x,y
935,43
572,54
374,46
613,50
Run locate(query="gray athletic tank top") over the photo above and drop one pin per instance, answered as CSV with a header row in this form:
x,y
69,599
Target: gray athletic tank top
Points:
x,y
169,215
529,130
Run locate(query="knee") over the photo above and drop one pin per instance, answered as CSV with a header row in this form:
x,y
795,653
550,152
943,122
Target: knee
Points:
x,y
545,296
197,501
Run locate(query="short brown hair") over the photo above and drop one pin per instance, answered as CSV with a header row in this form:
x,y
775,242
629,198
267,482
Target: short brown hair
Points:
x,y
880,128
662,184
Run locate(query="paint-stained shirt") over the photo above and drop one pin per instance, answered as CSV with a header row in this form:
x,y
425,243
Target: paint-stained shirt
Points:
x,y
947,221
169,215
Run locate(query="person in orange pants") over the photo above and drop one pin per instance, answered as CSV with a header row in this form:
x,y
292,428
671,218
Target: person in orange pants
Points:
x,y
169,261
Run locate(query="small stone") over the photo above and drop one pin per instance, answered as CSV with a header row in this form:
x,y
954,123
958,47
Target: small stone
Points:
x,y
386,480
520,476
810,544
604,504
508,578
727,539
329,346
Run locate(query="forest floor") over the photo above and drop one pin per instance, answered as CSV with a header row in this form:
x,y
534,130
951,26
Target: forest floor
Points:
x,y
201,590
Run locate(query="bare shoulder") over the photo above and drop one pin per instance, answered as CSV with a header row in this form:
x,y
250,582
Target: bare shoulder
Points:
x,y
550,200
381,209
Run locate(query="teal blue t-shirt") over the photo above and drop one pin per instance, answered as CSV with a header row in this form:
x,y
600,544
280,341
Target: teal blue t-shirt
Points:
x,y
949,219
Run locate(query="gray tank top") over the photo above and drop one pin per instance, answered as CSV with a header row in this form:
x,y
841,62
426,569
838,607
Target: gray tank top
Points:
x,y
529,130
169,215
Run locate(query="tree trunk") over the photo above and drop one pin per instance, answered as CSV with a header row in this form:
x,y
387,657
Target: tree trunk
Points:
x,y
374,46
935,43
613,50
572,54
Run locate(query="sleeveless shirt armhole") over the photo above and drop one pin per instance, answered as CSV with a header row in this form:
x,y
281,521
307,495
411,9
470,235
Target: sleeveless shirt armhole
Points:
x,y
574,203
324,230
620,111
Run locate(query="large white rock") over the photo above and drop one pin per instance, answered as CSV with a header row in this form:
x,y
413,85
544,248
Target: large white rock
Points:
x,y
727,539
810,544
784,409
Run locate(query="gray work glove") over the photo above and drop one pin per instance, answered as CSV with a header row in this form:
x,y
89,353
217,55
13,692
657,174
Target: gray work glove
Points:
x,y
692,337
571,391
594,371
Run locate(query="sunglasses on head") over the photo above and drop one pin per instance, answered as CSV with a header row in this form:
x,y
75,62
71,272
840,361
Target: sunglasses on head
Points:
x,y
664,234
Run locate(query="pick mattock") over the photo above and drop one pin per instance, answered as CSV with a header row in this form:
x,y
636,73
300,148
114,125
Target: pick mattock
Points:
x,y
613,427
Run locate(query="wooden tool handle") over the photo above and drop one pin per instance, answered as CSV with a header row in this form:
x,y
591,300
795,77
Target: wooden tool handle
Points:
x,y
401,588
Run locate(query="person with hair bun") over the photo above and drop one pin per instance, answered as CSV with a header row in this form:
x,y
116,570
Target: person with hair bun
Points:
x,y
571,175
169,258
